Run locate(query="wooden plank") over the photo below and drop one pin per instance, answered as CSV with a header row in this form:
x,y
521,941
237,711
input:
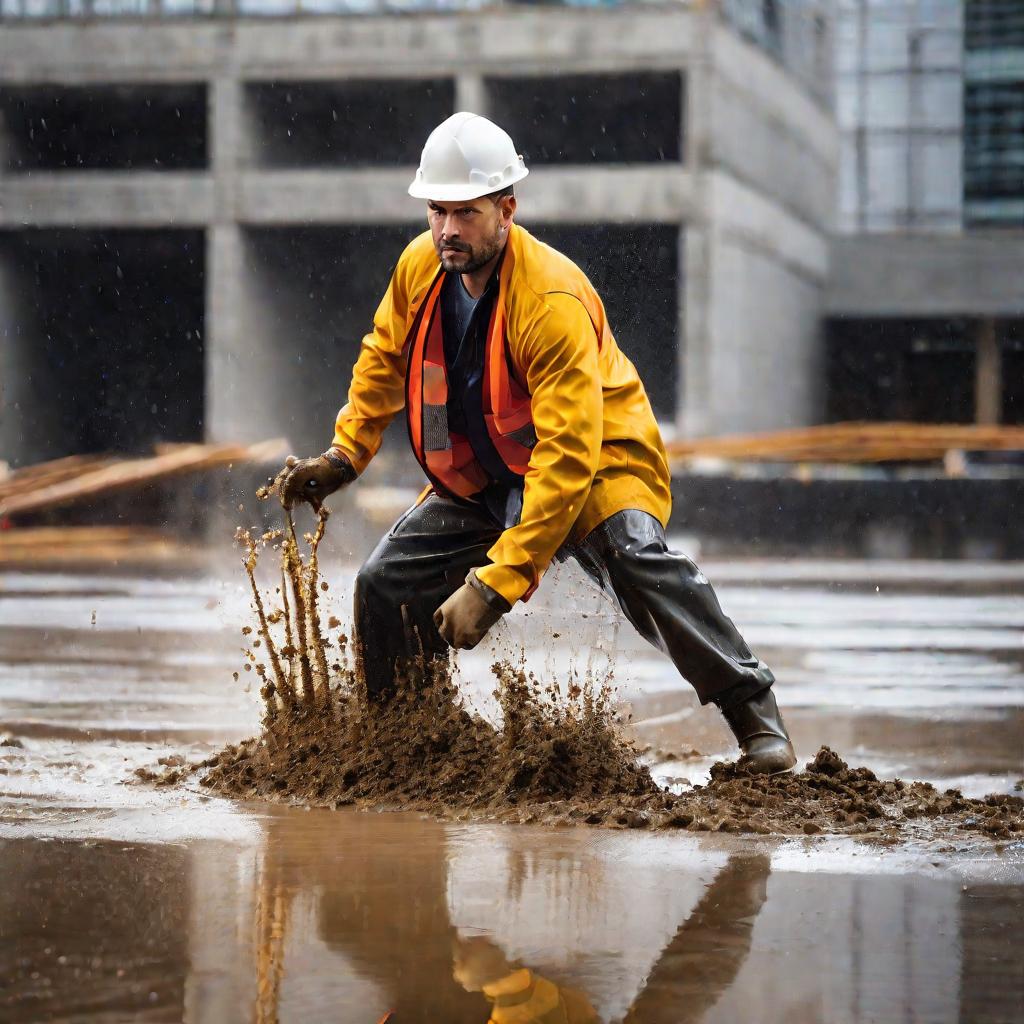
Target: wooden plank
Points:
x,y
37,546
29,477
854,442
128,473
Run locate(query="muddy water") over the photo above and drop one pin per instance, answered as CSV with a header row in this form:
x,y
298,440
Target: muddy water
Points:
x,y
126,902
343,916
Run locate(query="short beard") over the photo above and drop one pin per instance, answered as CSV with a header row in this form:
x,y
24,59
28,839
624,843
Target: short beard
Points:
x,y
477,258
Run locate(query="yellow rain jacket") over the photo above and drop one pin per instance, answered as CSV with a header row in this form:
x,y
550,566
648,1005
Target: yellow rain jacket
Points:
x,y
598,447
526,998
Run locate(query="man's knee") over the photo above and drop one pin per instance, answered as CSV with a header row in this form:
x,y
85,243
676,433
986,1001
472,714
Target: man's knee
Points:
x,y
646,561
375,585
383,587
633,545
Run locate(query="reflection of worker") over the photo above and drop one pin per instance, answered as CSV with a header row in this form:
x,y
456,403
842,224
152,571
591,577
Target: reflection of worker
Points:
x,y
704,956
381,903
516,993
698,965
537,437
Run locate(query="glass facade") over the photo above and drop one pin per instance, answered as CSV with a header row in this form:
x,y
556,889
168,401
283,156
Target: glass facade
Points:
x,y
899,106
994,114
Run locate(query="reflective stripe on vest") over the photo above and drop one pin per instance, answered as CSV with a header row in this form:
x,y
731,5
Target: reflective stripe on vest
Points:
x,y
447,457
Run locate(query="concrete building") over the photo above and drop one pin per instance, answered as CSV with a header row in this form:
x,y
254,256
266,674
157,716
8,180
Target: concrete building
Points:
x,y
926,305
200,207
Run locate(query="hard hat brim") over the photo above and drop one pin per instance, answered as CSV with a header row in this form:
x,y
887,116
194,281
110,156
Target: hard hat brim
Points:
x,y
463,191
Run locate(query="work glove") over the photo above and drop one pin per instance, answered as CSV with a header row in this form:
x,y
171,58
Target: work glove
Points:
x,y
313,479
464,619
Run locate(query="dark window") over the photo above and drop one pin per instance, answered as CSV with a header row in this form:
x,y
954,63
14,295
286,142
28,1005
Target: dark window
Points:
x,y
993,115
347,123
994,153
635,270
920,370
1012,345
104,127
587,119
311,294
993,24
109,332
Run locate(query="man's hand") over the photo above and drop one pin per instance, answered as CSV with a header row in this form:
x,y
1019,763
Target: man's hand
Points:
x,y
313,479
464,619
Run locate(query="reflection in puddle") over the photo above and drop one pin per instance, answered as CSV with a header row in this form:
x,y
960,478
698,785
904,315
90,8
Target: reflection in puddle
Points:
x,y
392,916
516,993
349,917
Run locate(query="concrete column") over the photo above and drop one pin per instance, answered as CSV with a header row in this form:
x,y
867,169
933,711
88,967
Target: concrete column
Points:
x,y
224,361
471,93
228,140
696,238
243,371
222,979
233,378
988,374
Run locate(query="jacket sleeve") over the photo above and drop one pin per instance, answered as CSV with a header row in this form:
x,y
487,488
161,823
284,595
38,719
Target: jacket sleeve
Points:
x,y
377,391
560,359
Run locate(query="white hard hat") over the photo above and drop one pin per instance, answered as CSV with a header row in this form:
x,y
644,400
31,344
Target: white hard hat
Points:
x,y
466,157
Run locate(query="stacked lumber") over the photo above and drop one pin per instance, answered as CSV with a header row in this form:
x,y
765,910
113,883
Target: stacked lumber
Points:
x,y
75,478
45,473
854,442
87,545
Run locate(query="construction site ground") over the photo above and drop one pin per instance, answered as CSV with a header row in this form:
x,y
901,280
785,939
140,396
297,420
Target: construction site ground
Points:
x,y
124,900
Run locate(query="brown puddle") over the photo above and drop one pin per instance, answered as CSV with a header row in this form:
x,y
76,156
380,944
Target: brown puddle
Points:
x,y
559,756
348,917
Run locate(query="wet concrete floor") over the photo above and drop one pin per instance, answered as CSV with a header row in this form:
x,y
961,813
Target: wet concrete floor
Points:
x,y
124,902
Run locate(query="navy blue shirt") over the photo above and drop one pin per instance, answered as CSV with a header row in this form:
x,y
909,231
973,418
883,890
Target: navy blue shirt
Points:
x,y
464,325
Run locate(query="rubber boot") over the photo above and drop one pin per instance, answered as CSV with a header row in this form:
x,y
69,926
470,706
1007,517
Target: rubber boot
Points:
x,y
757,725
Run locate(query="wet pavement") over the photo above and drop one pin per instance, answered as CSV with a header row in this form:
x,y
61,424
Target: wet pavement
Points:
x,y
126,902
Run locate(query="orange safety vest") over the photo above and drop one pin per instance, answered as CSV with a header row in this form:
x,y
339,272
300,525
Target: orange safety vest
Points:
x,y
447,457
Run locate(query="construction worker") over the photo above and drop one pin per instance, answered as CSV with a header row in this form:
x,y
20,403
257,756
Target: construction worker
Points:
x,y
537,438
698,965
517,994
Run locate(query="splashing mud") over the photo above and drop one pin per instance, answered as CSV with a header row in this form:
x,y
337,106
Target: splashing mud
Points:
x,y
558,757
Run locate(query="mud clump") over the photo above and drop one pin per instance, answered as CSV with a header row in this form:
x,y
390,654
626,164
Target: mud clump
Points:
x,y
830,796
559,755
324,742
424,750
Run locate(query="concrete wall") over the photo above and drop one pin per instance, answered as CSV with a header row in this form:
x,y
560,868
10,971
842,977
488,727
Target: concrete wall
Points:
x,y
770,134
901,275
766,361
757,250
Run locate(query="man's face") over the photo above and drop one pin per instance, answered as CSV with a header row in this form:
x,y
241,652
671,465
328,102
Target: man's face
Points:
x,y
469,234
478,961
